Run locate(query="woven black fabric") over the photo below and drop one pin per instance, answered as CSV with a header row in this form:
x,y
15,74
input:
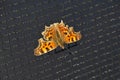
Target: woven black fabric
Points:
x,y
95,57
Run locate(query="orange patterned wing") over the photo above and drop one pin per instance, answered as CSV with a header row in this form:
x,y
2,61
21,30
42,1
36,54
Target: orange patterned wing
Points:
x,y
44,47
63,29
68,34
49,32
72,36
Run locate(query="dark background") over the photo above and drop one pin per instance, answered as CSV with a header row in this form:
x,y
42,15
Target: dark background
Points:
x,y
95,57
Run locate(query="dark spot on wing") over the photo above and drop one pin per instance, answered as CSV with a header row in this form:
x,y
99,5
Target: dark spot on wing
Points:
x,y
50,38
47,49
51,46
69,39
72,39
68,36
49,43
41,51
76,38
65,33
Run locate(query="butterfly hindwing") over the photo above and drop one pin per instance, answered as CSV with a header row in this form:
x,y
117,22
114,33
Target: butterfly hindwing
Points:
x,y
44,47
72,36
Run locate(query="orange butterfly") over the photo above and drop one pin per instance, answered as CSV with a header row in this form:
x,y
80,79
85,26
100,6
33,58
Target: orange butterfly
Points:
x,y
57,34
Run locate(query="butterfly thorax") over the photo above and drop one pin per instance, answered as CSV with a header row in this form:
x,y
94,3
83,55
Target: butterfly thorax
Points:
x,y
58,38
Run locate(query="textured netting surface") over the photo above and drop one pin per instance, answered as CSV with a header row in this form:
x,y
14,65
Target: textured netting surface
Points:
x,y
95,57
